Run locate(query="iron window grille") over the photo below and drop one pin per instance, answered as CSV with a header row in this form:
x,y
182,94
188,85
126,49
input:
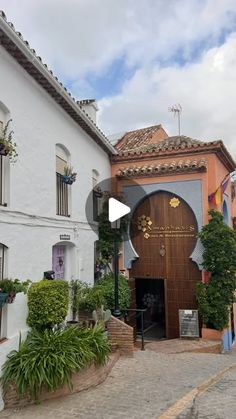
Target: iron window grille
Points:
x,y
3,249
2,201
62,196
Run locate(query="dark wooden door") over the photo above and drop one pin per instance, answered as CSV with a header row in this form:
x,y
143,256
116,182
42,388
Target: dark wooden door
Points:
x,y
163,232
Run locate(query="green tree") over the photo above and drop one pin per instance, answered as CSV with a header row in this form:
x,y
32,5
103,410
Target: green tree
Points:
x,y
219,258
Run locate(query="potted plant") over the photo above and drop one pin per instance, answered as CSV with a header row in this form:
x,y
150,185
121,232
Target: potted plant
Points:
x,y
69,175
78,293
216,296
9,288
7,145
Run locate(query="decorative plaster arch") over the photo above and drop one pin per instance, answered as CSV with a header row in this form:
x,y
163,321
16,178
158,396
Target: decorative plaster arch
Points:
x,y
190,191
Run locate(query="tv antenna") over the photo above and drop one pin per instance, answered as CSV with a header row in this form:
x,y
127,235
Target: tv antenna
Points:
x,y
176,109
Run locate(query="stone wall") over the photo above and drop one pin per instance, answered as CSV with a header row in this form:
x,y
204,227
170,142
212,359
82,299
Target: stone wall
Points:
x,y
121,334
86,378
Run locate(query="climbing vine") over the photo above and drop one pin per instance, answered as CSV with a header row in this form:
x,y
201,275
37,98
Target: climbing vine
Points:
x,y
107,235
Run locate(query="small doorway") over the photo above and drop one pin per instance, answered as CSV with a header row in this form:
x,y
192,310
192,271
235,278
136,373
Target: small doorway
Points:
x,y
150,295
58,261
64,261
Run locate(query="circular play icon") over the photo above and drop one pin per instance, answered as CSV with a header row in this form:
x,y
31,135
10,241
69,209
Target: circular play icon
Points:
x,y
113,202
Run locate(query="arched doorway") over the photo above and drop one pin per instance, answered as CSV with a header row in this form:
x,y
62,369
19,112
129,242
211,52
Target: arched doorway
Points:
x,y
164,234
64,260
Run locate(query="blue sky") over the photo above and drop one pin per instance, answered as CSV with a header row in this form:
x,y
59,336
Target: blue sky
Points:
x,y
137,58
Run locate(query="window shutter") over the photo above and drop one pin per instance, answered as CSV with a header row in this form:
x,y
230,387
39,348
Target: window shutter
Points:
x,y
60,165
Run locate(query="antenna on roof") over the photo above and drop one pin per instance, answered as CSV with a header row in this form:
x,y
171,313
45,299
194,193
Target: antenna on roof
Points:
x,y
176,109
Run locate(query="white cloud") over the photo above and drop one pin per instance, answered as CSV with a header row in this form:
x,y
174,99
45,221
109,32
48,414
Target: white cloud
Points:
x,y
206,90
83,38
77,37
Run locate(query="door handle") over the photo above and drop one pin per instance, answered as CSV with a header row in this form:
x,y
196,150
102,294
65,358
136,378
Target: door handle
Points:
x,y
162,250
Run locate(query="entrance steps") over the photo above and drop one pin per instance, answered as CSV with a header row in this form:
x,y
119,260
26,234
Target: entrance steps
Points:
x,y
175,346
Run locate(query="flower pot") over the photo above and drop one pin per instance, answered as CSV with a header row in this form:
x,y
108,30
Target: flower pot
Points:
x,y
3,150
11,298
3,298
69,179
211,334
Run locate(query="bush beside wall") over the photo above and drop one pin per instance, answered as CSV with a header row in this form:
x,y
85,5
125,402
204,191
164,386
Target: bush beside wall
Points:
x,y
48,303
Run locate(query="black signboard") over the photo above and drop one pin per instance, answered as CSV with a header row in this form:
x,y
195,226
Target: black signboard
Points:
x,y
188,323
64,237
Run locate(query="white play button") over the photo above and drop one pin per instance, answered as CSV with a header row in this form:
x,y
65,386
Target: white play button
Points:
x,y
116,209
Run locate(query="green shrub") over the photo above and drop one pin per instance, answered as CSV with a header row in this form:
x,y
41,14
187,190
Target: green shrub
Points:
x,y
47,359
92,299
107,284
214,300
219,258
48,303
102,293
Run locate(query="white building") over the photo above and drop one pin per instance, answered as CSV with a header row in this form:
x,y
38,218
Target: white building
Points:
x,y
43,224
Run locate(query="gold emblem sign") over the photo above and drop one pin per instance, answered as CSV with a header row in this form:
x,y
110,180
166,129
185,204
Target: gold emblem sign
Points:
x,y
174,202
144,224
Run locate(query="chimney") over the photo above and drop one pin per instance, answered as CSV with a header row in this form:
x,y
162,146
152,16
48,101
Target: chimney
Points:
x,y
90,107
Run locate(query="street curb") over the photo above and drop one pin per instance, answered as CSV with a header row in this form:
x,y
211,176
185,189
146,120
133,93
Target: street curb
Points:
x,y
173,411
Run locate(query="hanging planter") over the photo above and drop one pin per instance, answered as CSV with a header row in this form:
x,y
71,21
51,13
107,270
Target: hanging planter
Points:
x,y
7,145
69,179
11,297
69,176
3,298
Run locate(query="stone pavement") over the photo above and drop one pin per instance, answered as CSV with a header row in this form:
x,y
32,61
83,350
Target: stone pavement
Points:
x,y
217,402
174,346
142,387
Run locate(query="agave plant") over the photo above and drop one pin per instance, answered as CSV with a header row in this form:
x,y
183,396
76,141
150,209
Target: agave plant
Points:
x,y
48,358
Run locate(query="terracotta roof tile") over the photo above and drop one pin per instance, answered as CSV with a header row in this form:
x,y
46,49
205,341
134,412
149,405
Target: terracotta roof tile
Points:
x,y
168,144
141,137
180,166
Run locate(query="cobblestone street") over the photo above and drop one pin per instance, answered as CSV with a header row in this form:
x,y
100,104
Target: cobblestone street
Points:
x,y
144,387
217,402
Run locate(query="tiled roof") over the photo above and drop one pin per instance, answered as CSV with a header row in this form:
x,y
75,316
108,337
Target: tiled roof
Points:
x,y
26,56
168,144
141,138
138,149
175,146
174,167
86,101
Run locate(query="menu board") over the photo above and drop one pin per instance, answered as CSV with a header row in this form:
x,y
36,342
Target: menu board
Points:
x,y
188,323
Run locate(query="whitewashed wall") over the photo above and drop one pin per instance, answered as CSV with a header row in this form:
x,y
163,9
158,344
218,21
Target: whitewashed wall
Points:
x,y
29,225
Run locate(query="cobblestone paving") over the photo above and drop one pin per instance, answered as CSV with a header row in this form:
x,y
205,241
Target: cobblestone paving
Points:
x,y
218,402
137,388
